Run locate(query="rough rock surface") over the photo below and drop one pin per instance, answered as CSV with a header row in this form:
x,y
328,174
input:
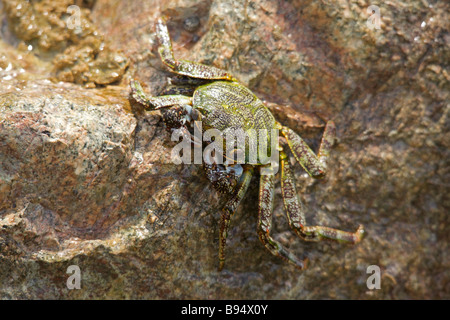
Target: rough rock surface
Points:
x,y
86,177
59,31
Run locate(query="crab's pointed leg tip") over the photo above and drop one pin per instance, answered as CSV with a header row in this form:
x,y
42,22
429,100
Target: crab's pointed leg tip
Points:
x,y
135,85
361,233
305,263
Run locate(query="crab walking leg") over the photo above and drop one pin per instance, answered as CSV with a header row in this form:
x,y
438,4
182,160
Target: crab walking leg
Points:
x,y
314,165
292,204
266,193
179,90
229,210
328,137
157,102
187,68
296,215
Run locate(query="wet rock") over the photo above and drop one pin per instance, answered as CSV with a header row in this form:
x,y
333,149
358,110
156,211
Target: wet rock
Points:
x,y
86,177
63,32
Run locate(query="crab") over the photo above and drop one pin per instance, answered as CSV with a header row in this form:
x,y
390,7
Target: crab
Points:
x,y
213,96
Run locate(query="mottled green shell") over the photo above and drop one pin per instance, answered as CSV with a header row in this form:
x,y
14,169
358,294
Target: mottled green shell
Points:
x,y
230,106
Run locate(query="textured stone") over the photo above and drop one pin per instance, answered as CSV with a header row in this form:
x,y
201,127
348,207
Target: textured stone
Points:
x,y
63,33
86,177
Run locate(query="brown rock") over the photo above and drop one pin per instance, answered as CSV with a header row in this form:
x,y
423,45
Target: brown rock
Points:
x,y
87,180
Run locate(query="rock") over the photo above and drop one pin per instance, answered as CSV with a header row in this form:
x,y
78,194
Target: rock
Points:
x,y
64,33
86,177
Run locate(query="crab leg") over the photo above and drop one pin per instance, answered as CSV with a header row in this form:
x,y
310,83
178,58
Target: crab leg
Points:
x,y
266,193
183,67
314,165
157,102
179,90
230,209
296,215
